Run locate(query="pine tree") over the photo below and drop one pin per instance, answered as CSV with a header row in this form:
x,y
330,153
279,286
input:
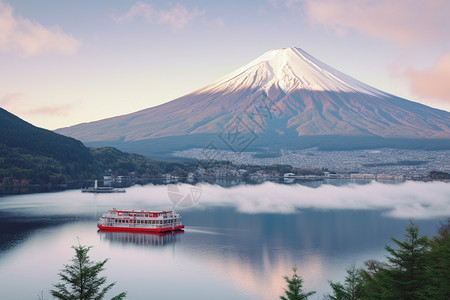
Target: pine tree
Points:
x,y
81,280
370,288
294,289
438,266
405,276
339,292
351,289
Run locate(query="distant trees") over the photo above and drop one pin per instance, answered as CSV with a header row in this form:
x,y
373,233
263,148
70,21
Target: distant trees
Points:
x,y
438,175
81,280
294,288
303,171
32,155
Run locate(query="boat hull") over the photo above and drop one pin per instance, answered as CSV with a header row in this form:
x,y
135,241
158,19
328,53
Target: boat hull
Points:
x,y
138,229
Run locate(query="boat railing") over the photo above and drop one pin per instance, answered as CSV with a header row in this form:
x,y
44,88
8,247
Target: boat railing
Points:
x,y
140,218
137,225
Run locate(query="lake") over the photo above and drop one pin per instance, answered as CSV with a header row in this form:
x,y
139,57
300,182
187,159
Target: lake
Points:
x,y
238,243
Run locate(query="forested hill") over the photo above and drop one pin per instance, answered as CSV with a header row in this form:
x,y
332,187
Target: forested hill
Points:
x,y
32,155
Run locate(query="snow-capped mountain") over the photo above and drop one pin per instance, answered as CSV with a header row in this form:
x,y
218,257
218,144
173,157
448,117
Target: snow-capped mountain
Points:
x,y
284,97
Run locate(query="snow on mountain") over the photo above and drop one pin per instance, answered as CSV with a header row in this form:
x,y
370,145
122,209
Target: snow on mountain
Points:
x,y
302,96
290,69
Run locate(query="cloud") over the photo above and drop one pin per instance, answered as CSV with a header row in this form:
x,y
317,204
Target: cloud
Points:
x,y
400,21
17,102
418,200
410,199
31,38
432,82
60,110
291,4
10,98
177,17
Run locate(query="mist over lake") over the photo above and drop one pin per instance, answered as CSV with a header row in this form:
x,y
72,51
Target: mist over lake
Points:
x,y
239,242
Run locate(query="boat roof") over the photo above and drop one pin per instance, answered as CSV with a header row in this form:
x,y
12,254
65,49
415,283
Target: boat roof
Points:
x,y
141,211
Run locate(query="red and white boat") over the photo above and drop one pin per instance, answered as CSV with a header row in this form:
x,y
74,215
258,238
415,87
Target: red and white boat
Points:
x,y
140,221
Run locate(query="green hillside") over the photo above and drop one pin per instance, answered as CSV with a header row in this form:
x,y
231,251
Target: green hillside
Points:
x,y
32,155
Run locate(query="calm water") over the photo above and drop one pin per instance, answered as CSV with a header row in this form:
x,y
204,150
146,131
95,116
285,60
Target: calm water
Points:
x,y
238,244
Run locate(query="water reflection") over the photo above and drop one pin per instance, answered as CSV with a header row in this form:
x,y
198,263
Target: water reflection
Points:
x,y
141,239
264,279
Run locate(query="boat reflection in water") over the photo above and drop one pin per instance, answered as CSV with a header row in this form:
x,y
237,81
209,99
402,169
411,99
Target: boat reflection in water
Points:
x,y
142,239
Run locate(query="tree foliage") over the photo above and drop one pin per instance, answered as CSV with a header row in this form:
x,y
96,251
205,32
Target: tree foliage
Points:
x,y
32,155
437,269
294,288
405,275
81,279
439,175
417,268
352,287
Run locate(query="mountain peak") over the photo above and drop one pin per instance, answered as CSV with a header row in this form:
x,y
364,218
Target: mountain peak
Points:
x,y
307,102
289,69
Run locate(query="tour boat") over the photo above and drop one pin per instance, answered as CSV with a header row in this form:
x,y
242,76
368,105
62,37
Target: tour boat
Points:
x,y
140,221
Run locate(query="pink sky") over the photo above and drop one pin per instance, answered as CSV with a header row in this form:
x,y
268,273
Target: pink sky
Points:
x,y
66,63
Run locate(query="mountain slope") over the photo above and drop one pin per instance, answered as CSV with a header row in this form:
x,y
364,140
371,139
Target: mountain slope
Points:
x,y
286,97
38,156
